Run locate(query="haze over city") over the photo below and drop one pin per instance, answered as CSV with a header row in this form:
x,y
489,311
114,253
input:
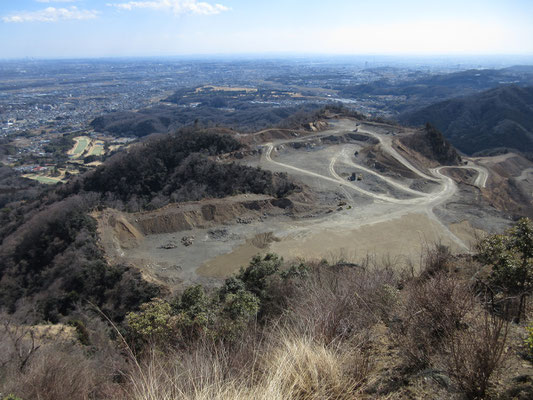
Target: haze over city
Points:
x,y
103,28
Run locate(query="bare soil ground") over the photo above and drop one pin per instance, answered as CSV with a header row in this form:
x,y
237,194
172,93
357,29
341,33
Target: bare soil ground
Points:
x,y
402,203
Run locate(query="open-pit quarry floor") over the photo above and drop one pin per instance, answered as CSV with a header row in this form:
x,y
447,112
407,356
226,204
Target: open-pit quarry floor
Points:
x,y
349,208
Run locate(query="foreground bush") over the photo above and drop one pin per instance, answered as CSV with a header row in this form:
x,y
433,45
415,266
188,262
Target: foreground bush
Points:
x,y
222,315
433,310
475,353
529,339
510,256
310,331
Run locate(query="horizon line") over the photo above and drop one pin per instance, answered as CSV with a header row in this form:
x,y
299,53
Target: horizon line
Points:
x,y
274,55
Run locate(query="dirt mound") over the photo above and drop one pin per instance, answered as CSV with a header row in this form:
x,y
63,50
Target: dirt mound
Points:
x,y
116,230
262,240
269,135
506,191
361,137
385,163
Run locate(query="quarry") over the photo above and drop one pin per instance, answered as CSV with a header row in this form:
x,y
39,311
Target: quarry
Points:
x,y
363,194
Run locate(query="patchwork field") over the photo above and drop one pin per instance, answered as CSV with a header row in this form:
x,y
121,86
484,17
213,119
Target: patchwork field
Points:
x,y
82,143
96,149
44,179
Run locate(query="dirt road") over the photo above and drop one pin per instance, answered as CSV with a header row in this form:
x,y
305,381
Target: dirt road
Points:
x,y
421,202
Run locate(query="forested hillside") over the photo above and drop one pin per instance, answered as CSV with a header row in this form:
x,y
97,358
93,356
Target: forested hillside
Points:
x,y
497,118
423,91
237,114
50,260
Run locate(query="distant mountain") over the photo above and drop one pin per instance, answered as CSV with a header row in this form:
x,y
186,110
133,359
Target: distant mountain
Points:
x,y
421,90
497,118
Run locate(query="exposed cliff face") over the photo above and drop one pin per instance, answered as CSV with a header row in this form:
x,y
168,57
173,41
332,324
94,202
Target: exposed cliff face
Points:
x,y
433,145
122,231
316,126
196,215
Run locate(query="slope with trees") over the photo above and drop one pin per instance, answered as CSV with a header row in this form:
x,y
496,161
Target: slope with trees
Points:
x,y
50,257
305,331
498,118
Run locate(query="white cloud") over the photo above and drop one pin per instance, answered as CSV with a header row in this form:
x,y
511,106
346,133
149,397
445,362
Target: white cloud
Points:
x,y
52,14
175,6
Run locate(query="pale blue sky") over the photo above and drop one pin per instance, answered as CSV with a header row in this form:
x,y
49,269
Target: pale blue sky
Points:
x,y
102,28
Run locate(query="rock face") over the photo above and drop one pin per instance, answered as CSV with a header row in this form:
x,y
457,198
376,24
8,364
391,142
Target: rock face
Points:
x,y
316,126
115,228
183,217
431,144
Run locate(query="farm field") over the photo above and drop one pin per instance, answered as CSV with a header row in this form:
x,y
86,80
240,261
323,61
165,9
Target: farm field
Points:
x,y
44,179
96,149
82,142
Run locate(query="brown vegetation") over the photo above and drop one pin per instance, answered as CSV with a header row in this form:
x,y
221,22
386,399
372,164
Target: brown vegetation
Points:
x,y
307,331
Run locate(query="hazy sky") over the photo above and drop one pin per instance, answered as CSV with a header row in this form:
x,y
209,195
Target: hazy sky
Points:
x,y
80,28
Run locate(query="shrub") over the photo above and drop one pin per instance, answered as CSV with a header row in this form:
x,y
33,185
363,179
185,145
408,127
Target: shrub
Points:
x,y
511,257
58,372
255,276
237,311
18,345
153,323
341,302
433,310
436,260
11,397
195,313
475,353
529,339
81,331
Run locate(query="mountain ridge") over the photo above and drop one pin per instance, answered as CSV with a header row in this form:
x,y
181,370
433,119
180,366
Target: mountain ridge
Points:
x,y
497,118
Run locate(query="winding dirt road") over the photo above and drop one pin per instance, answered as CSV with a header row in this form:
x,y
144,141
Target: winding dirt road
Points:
x,y
482,173
421,202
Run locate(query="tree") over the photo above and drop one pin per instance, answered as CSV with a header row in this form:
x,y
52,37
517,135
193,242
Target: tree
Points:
x,y
195,312
255,276
154,322
511,258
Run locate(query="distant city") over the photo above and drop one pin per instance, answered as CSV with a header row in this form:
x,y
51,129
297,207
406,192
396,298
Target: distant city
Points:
x,y
68,115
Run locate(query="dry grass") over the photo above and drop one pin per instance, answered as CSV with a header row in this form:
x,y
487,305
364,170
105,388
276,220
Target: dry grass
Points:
x,y
290,367
300,368
347,332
